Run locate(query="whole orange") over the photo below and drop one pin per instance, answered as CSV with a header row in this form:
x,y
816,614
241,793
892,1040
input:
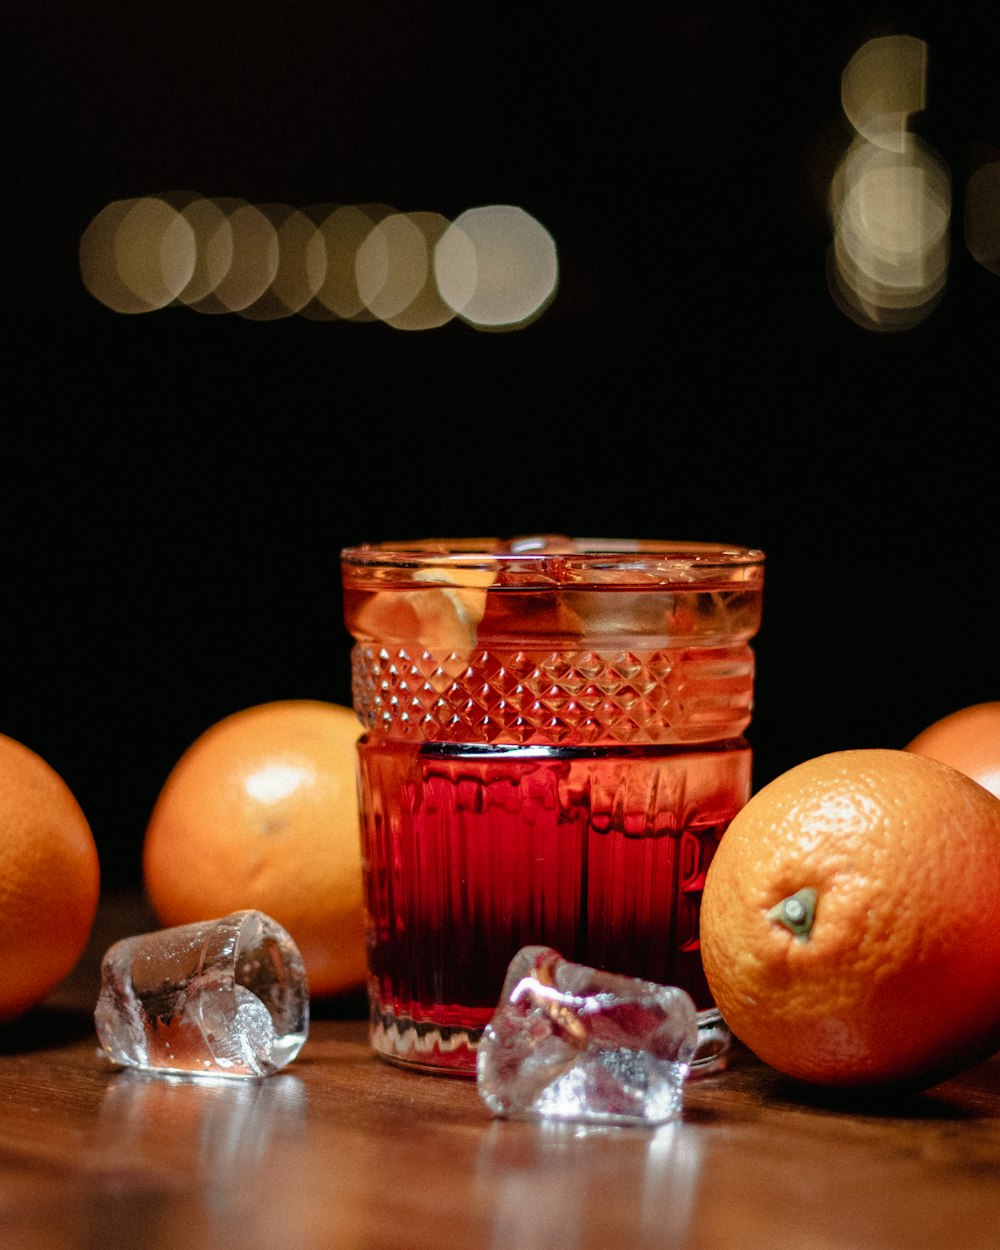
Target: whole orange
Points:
x,y
49,878
849,921
261,811
968,739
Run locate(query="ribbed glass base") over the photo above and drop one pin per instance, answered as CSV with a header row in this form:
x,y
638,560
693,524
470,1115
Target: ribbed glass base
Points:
x,y
448,1051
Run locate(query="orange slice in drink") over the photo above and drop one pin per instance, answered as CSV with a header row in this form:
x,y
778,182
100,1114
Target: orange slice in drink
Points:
x,y
442,619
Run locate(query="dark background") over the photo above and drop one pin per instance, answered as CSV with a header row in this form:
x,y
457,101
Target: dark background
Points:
x,y
175,489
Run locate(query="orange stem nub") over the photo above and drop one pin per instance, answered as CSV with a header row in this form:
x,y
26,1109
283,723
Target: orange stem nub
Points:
x,y
797,912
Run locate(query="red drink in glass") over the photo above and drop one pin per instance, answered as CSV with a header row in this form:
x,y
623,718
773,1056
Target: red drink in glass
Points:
x,y
553,749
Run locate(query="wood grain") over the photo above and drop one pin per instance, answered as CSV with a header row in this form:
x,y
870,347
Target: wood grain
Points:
x,y
342,1150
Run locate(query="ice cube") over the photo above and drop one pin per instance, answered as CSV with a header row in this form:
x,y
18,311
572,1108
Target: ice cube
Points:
x,y
569,1042
225,997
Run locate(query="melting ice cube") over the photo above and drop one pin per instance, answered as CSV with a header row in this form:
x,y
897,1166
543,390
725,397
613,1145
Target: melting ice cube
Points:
x,y
573,1043
225,997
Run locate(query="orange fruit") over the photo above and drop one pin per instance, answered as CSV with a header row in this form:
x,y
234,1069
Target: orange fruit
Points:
x,y
967,739
49,878
261,811
849,921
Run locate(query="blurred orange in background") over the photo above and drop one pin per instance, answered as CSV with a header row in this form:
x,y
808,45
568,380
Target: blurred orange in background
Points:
x,y
261,811
968,739
49,878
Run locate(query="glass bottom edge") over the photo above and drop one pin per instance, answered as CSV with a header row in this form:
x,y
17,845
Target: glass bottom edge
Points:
x,y
448,1050
422,1045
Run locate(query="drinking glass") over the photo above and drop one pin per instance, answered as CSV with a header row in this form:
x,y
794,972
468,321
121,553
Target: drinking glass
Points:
x,y
553,749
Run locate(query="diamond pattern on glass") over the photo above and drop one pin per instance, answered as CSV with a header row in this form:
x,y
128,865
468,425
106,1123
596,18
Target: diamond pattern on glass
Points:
x,y
572,698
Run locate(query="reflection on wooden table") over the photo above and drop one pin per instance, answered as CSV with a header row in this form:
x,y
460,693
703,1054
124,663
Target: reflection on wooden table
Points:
x,y
342,1150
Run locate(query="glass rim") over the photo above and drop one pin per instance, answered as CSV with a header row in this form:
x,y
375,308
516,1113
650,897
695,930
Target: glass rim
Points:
x,y
554,558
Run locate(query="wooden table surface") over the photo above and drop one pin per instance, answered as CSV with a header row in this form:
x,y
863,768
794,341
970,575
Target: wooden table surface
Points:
x,y
342,1150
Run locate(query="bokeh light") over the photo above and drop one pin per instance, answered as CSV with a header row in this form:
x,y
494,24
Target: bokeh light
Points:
x,y
426,310
882,85
254,263
213,248
890,198
299,268
982,214
343,228
137,255
391,266
494,267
